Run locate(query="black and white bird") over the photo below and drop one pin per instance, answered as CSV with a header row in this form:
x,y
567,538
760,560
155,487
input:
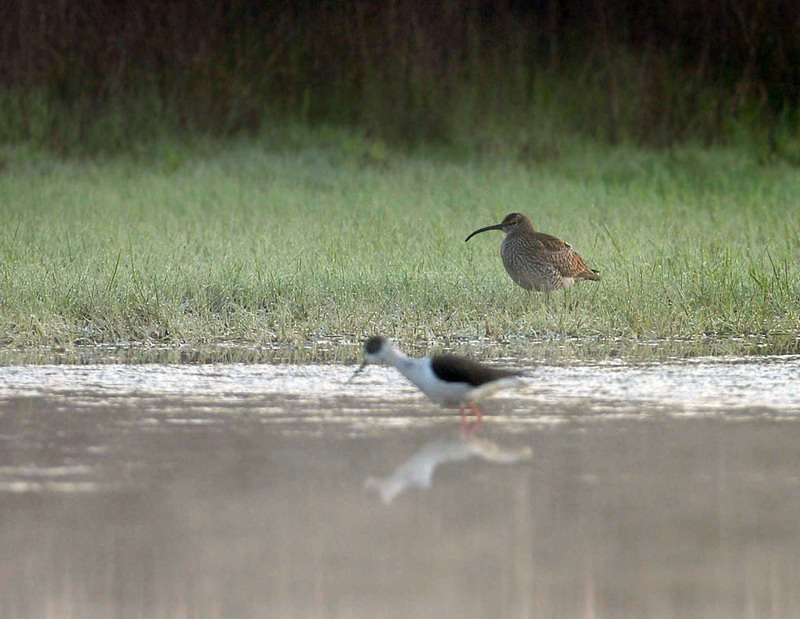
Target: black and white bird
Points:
x,y
449,380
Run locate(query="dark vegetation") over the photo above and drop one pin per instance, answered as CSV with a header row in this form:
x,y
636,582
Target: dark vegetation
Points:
x,y
89,75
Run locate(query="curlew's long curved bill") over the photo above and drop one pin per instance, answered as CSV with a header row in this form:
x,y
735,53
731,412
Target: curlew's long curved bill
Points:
x,y
357,372
479,230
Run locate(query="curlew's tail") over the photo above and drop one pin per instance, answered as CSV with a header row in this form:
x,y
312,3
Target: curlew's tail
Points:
x,y
590,274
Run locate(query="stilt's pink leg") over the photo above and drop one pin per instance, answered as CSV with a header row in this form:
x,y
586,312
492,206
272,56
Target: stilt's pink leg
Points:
x,y
463,413
476,411
468,429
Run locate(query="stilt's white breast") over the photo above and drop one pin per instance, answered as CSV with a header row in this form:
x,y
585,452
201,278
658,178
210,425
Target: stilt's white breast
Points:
x,y
420,372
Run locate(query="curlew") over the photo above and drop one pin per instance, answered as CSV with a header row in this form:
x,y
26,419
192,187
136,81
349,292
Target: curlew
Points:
x,y
535,260
449,380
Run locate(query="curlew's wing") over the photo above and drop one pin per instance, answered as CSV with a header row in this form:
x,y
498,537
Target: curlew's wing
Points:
x,y
561,255
548,242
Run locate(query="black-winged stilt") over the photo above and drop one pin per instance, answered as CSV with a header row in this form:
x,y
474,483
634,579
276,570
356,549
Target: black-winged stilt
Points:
x,y
449,380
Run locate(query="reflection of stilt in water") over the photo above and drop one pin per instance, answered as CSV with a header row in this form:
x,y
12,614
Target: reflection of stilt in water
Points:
x,y
589,586
417,471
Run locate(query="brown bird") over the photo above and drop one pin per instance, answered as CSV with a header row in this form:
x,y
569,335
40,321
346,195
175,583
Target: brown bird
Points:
x,y
538,261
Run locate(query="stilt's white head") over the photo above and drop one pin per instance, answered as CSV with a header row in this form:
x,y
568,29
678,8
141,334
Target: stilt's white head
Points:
x,y
377,349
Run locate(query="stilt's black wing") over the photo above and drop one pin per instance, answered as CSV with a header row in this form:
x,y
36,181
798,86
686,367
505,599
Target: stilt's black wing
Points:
x,y
454,369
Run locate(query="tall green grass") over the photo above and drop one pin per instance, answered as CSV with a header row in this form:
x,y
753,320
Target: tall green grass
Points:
x,y
296,245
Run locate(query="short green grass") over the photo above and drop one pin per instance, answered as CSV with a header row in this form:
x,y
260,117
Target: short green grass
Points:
x,y
294,249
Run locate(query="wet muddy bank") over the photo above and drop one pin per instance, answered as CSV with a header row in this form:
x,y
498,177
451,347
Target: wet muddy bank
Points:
x,y
552,348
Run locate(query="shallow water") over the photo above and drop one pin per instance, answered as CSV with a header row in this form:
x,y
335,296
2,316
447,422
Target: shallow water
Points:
x,y
231,491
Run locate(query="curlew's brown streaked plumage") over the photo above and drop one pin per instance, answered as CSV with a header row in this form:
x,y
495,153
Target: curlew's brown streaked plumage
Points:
x,y
535,260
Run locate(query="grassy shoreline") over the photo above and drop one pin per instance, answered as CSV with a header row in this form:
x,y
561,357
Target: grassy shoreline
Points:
x,y
254,251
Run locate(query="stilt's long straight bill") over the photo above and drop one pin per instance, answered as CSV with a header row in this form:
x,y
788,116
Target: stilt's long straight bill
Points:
x,y
358,371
